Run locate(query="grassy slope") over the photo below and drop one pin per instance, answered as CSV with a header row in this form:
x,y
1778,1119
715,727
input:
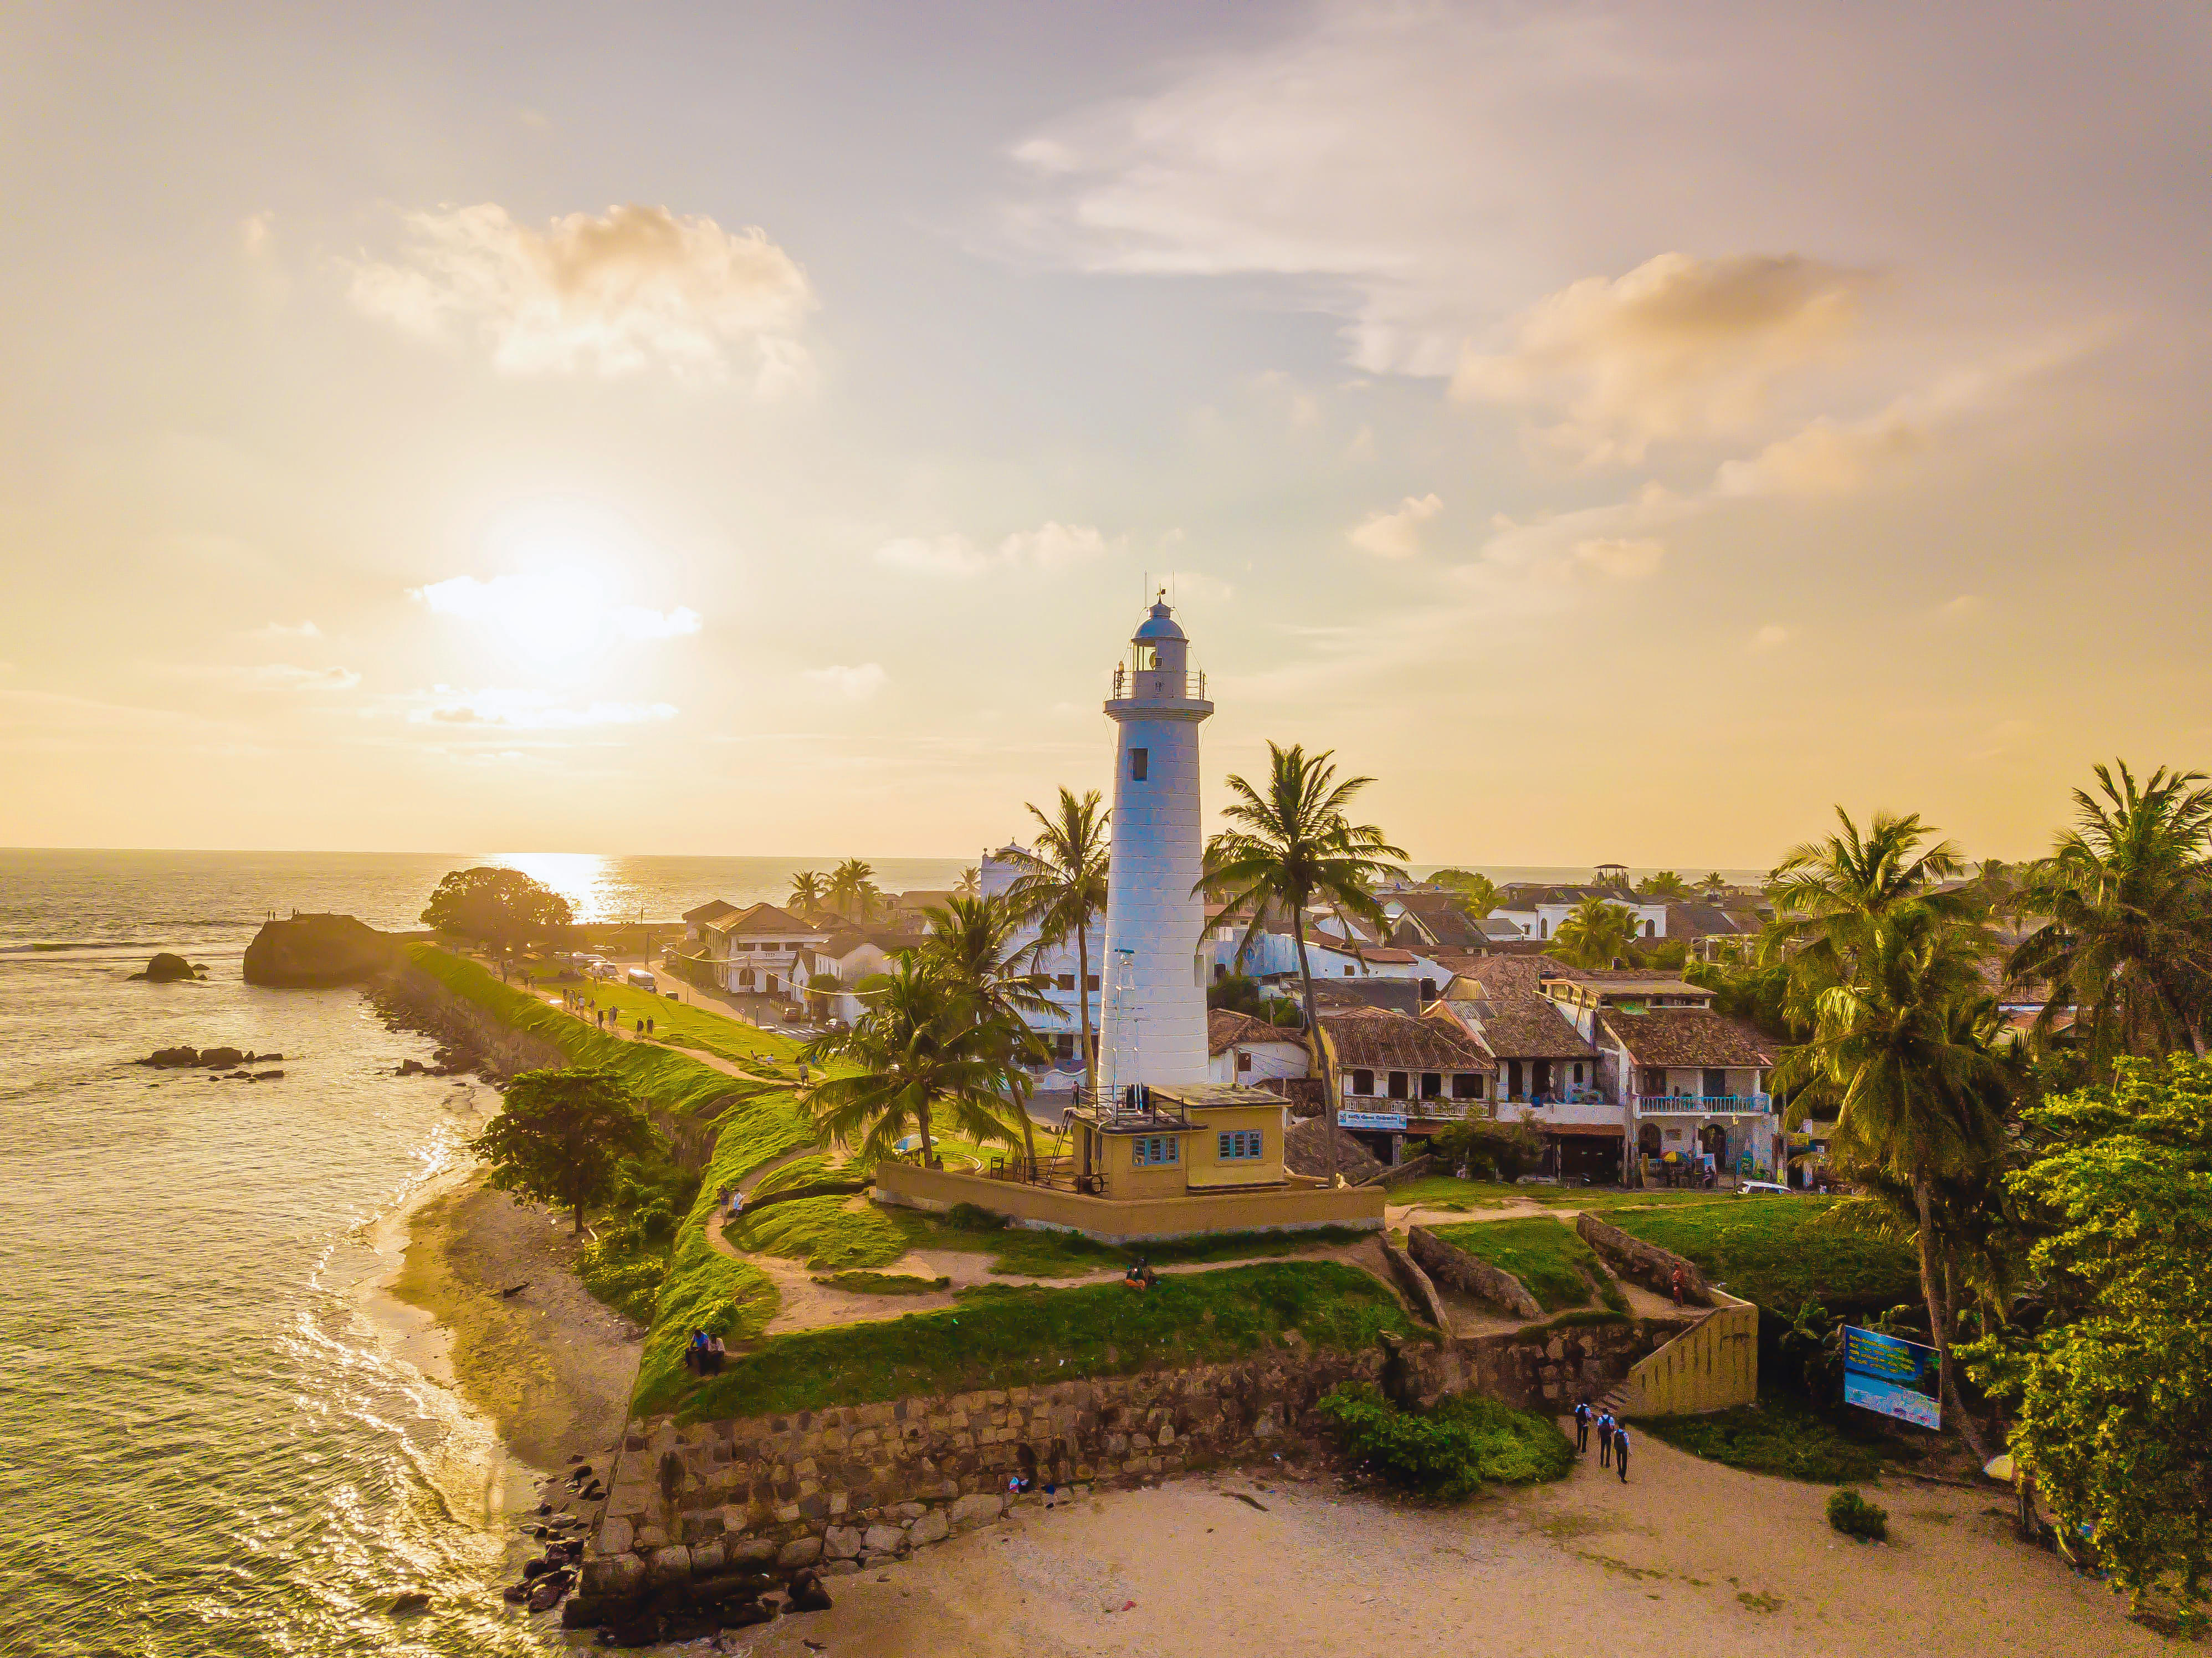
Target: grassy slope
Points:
x,y
768,1052
1444,1192
1044,1335
1776,1251
1545,1254
702,1286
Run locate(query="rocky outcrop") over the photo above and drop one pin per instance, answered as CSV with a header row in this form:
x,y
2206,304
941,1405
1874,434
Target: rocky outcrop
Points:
x,y
1647,1263
211,1058
1478,1277
310,952
165,969
1420,1292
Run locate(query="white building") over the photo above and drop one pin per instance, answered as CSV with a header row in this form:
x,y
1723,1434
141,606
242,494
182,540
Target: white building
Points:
x,y
1243,1049
754,951
1538,911
1154,976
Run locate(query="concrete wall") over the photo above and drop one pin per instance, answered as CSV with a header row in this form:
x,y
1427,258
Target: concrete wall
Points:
x,y
1712,1366
1462,1271
1112,1220
1647,1263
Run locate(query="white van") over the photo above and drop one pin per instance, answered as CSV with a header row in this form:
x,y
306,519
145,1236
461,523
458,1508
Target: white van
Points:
x,y
638,978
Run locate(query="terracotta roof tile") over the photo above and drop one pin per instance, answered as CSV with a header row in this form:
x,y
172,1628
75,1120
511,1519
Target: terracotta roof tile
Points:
x,y
1378,1039
1519,1024
1225,1027
1689,1036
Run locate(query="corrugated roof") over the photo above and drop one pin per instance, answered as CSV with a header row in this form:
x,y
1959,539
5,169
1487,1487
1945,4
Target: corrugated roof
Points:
x,y
712,910
1689,1036
767,919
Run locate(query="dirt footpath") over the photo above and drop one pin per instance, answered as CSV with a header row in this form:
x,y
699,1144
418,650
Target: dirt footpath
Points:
x,y
1689,1557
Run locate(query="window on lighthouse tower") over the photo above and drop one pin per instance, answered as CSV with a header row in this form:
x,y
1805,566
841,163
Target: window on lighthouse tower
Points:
x,y
1140,764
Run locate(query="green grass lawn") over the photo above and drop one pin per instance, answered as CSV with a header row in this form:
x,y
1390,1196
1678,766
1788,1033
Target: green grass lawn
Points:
x,y
1444,1192
1786,1437
1776,1251
829,1234
700,1025
1545,1254
1040,1336
884,1283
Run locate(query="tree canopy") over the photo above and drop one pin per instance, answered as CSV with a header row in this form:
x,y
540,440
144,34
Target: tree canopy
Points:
x,y
561,1136
2113,1393
501,908
1059,889
1595,932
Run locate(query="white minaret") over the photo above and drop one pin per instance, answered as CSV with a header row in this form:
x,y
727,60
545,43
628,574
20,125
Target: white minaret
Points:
x,y
1152,983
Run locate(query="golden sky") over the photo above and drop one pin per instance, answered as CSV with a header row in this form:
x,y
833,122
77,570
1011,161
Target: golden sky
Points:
x,y
1626,431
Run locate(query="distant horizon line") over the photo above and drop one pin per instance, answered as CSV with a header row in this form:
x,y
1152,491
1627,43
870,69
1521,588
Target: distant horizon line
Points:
x,y
1414,864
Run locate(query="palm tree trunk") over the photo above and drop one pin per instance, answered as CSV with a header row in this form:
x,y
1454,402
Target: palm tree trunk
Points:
x,y
1029,1140
1938,1318
1313,1038
922,1121
1083,1008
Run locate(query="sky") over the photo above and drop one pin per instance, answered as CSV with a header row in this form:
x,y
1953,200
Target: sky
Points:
x,y
1625,431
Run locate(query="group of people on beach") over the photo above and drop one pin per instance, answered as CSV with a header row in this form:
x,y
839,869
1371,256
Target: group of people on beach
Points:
x,y
1612,1437
703,1357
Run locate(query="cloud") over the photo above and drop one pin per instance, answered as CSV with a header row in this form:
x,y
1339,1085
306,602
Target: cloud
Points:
x,y
1622,556
1051,546
1396,532
637,287
526,710
271,677
635,621
1826,457
853,684
302,630
1678,347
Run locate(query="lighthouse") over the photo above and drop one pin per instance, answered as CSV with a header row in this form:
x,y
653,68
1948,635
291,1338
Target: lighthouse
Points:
x,y
1153,984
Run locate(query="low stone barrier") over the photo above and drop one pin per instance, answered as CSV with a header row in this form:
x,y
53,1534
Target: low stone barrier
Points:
x,y
1415,1283
1462,1271
1647,1263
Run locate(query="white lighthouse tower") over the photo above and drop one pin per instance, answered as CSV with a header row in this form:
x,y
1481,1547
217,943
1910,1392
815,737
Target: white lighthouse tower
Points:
x,y
1153,982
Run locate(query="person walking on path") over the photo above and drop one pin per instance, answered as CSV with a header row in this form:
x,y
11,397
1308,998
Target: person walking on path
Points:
x,y
1582,1428
1621,1452
1604,1440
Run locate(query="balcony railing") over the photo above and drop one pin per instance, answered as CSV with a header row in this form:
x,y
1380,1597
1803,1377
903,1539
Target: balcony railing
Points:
x,y
1710,1104
1189,687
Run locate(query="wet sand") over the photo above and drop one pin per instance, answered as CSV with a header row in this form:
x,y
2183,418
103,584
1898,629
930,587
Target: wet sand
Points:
x,y
550,1366
1688,1557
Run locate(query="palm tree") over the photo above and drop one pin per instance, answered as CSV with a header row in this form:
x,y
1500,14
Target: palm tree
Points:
x,y
1665,886
852,889
1472,892
970,883
1712,883
1291,845
924,1059
1827,893
974,942
1061,889
808,889
1595,932
2127,898
1908,1045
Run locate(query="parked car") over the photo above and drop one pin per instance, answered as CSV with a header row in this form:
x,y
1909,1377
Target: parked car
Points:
x,y
1762,1189
639,979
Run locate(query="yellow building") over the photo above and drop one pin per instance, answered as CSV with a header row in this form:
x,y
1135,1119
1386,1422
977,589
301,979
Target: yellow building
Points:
x,y
1160,1162
1193,1137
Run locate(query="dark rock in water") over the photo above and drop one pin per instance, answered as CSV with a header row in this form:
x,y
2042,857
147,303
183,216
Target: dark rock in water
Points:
x,y
584,1611
535,1569
308,951
266,1075
412,1604
636,1631
515,1594
807,1593
172,1057
740,1613
165,969
222,1059
413,1068
548,1594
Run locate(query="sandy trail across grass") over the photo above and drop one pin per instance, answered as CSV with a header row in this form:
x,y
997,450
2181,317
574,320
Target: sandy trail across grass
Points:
x,y
1688,1557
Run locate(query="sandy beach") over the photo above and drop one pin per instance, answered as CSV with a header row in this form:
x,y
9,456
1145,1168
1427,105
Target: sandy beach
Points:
x,y
1688,1557
550,1366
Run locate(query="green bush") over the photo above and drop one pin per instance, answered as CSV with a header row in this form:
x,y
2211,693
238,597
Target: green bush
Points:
x,y
1853,1516
884,1283
1460,1444
1783,1435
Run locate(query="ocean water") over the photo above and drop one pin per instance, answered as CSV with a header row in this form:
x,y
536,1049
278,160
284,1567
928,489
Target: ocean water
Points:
x,y
208,1442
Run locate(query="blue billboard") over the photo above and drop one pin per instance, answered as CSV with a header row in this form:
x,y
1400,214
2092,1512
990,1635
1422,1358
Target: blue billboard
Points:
x,y
1896,1377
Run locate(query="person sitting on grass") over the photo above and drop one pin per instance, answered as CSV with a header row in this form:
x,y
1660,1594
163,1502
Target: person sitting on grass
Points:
x,y
1140,1277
